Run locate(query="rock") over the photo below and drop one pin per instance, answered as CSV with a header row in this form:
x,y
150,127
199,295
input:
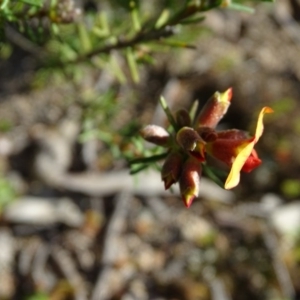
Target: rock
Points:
x,y
269,202
43,211
7,259
286,220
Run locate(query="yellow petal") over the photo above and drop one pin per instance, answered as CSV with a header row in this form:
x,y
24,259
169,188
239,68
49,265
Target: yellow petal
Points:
x,y
233,178
260,126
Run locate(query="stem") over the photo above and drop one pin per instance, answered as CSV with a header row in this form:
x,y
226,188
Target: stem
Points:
x,y
149,159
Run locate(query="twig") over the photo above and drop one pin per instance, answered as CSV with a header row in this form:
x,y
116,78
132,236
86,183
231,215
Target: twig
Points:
x,y
145,34
113,233
218,291
140,37
280,268
67,266
145,183
39,272
21,41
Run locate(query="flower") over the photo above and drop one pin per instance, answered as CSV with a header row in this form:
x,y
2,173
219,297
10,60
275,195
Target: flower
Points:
x,y
195,137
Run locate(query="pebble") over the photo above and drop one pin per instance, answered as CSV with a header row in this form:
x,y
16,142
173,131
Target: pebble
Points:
x,y
43,211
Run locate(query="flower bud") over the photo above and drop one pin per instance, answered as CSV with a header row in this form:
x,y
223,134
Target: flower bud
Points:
x,y
189,181
187,138
190,141
183,118
156,135
171,169
214,110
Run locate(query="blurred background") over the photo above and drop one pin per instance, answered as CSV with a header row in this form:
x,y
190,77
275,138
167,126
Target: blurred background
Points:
x,y
78,79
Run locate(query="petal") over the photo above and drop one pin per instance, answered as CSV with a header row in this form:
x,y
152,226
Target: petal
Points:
x,y
226,150
233,134
260,126
156,135
233,178
252,162
214,110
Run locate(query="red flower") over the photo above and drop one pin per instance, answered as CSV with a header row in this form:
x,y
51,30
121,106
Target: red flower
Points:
x,y
236,149
193,138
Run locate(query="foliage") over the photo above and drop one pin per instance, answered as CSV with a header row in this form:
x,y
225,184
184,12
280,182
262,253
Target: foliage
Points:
x,y
7,192
61,34
122,36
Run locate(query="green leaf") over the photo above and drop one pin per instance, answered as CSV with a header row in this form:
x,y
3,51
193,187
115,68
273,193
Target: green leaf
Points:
x,y
38,296
192,20
7,192
291,187
162,19
138,169
67,52
85,41
193,110
4,4
210,4
116,69
167,111
132,65
101,26
210,173
135,16
38,3
149,159
55,29
177,44
241,7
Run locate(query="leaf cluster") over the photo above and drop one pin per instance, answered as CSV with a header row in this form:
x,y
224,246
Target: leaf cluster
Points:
x,y
60,33
67,38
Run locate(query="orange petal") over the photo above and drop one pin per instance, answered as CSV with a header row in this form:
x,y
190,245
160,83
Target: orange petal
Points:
x,y
233,178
